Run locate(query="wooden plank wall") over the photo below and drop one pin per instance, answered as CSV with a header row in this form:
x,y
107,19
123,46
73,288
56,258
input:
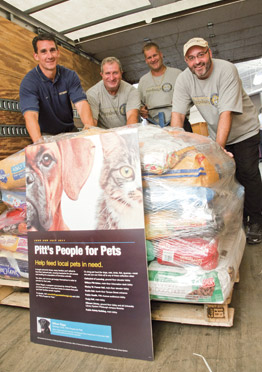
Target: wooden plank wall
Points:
x,y
16,60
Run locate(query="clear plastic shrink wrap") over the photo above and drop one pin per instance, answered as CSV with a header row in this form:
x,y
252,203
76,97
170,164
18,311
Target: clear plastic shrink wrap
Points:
x,y
13,231
193,206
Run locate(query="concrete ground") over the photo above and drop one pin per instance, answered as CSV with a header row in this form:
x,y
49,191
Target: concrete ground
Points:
x,y
235,349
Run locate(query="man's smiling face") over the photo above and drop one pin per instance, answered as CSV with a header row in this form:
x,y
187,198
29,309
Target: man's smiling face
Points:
x,y
47,55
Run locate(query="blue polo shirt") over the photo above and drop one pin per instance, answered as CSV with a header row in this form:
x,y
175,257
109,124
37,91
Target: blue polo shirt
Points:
x,y
51,99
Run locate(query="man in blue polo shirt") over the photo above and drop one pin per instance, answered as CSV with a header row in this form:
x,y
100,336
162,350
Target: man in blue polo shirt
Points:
x,y
47,91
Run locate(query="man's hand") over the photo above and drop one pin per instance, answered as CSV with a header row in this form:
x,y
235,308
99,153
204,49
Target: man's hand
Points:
x,y
227,152
144,112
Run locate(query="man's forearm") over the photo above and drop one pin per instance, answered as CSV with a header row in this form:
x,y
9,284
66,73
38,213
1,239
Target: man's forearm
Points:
x,y
85,113
32,125
177,119
223,128
132,117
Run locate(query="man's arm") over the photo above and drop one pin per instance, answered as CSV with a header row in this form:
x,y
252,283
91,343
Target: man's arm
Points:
x,y
143,111
132,116
177,119
32,125
223,128
85,114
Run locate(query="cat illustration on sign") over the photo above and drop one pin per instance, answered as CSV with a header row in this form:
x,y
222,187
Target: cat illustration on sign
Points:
x,y
121,203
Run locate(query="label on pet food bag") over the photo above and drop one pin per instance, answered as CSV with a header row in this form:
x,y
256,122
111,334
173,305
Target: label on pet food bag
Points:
x,y
19,175
13,198
13,243
22,245
3,176
196,251
12,171
8,242
7,271
18,171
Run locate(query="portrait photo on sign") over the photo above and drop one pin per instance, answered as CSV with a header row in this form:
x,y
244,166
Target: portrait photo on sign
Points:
x,y
43,326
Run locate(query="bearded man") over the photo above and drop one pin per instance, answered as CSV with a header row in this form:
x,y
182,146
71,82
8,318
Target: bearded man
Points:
x,y
215,88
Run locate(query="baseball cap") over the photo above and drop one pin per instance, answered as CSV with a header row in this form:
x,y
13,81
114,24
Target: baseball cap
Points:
x,y
196,41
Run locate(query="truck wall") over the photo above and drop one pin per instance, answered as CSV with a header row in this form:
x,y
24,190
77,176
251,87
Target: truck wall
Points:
x,y
16,60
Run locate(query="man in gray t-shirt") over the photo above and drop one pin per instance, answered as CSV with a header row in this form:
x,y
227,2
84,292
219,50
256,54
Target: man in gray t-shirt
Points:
x,y
214,86
114,102
156,87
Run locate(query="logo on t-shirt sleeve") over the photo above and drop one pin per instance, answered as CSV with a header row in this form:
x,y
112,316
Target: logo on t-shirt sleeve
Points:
x,y
122,109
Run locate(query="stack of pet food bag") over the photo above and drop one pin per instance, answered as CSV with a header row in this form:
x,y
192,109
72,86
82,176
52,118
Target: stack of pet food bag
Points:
x,y
13,233
193,216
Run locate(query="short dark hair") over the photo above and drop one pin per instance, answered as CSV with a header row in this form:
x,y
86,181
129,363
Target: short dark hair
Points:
x,y
150,45
43,36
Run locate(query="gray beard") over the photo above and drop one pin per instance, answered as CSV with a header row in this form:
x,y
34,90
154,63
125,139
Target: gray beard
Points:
x,y
208,66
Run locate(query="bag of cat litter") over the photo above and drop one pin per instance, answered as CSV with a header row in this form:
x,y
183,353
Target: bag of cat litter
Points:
x,y
12,171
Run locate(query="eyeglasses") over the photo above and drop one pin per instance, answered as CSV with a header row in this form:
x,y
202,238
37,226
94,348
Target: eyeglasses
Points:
x,y
199,56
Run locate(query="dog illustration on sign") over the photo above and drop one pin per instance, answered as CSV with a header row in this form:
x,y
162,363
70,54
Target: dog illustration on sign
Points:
x,y
52,168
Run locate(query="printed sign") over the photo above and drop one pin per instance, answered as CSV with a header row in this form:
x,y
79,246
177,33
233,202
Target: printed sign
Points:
x,y
87,256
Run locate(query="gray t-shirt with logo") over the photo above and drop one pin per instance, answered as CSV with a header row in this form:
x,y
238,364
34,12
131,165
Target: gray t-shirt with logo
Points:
x,y
110,111
157,91
221,91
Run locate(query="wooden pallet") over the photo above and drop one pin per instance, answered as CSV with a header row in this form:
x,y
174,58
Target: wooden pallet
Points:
x,y
208,315
14,293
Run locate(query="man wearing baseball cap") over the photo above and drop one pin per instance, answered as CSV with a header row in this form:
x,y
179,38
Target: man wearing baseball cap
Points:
x,y
215,88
